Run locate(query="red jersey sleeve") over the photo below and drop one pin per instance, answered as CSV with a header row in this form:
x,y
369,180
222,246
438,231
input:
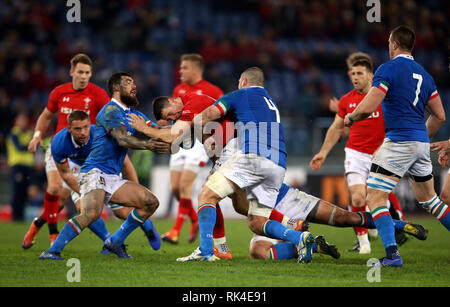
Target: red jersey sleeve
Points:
x,y
52,104
176,91
342,107
217,92
102,98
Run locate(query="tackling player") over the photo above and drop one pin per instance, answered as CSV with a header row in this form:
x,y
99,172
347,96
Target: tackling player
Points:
x,y
186,163
259,166
99,178
302,206
182,110
405,90
70,148
79,94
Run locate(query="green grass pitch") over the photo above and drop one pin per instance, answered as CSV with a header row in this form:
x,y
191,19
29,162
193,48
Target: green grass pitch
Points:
x,y
426,263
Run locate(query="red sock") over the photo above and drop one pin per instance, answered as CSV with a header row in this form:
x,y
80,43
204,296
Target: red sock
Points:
x,y
192,212
219,228
276,216
51,207
359,231
394,201
183,212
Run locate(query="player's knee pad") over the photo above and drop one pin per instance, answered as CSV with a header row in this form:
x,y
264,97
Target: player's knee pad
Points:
x,y
219,185
379,182
256,209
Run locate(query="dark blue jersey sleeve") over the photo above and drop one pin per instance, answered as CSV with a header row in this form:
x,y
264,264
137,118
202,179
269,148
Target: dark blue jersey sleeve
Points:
x,y
58,147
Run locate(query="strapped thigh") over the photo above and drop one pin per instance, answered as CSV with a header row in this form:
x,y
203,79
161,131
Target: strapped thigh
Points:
x,y
256,209
380,182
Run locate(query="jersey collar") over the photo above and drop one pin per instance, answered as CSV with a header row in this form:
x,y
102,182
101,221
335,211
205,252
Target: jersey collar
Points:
x,y
408,56
76,144
125,108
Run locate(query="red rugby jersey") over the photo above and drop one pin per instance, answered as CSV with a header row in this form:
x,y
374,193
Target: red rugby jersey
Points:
x,y
366,135
194,104
202,87
64,99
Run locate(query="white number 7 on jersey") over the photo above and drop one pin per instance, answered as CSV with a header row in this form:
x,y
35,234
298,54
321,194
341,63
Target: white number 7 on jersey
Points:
x,y
272,106
419,83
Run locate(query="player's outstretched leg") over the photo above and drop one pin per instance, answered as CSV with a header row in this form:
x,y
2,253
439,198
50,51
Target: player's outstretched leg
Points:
x,y
439,209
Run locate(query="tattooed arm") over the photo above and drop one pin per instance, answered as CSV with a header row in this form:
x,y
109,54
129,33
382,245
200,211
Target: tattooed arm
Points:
x,y
131,142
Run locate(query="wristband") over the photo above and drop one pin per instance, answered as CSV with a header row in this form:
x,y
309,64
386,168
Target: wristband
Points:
x,y
351,119
36,134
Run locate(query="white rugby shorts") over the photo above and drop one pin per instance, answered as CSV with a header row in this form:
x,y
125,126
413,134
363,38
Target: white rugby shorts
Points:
x,y
261,177
191,159
95,179
50,165
402,158
357,163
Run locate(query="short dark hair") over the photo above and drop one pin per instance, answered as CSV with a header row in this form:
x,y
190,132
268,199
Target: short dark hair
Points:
x,y
404,36
158,104
80,58
77,115
115,79
359,59
364,62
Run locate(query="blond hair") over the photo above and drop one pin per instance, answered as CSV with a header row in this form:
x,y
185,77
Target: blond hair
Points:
x,y
195,58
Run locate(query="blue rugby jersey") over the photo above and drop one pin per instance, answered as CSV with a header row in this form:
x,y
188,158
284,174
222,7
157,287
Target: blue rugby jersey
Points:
x,y
63,147
408,89
106,154
259,130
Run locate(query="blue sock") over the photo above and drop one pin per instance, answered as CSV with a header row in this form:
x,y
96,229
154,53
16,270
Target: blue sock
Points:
x,y
367,221
206,222
385,227
446,221
99,228
283,250
68,233
276,230
399,225
147,226
132,222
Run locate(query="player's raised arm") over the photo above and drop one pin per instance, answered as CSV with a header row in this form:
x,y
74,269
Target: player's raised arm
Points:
x,y
179,131
368,105
121,135
209,114
41,126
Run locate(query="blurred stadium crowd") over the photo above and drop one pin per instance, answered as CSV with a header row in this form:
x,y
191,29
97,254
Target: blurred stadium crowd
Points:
x,y
301,45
